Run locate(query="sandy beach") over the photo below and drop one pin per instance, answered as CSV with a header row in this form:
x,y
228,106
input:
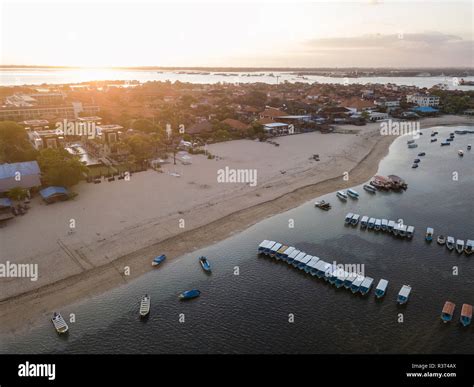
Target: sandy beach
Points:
x,y
126,223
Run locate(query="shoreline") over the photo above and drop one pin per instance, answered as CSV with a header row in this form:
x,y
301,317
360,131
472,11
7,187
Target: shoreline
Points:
x,y
35,303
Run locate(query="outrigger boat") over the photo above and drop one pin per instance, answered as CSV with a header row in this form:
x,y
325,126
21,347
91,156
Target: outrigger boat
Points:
x,y
381,288
448,311
404,294
370,188
145,306
355,220
364,221
466,314
348,218
445,143
469,247
59,323
421,154
204,262
441,239
341,195
450,243
460,246
189,294
429,234
158,260
352,193
323,205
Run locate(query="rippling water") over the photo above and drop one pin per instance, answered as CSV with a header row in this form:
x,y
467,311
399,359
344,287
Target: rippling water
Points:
x,y
38,76
248,313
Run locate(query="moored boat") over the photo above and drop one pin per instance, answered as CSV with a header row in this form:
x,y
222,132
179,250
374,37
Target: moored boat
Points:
x,y
298,259
262,245
283,252
378,224
291,257
412,145
460,246
410,231
469,146
371,223
460,153
348,218
273,250
355,220
145,306
205,264
448,311
466,314
370,188
341,195
323,205
469,247
450,243
421,154
158,260
350,277
364,221
404,294
366,285
441,239
59,323
434,139
429,234
311,265
269,245
189,294
402,230
384,224
414,166
391,225
381,288
356,283
352,193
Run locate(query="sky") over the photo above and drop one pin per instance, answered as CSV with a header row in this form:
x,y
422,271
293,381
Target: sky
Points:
x,y
273,34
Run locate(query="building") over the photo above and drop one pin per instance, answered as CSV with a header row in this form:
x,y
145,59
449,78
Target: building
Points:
x,y
389,104
423,99
236,125
276,128
272,113
40,112
376,116
24,175
38,99
43,139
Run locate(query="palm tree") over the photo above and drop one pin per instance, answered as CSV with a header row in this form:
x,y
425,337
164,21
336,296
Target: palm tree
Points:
x,y
17,193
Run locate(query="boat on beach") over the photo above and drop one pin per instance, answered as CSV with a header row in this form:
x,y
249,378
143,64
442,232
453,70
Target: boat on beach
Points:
x,y
158,260
460,246
381,288
413,145
429,234
466,314
441,239
445,143
404,294
352,193
450,243
415,165
273,250
434,139
370,188
189,294
469,146
205,264
460,152
448,311
341,195
59,323
144,306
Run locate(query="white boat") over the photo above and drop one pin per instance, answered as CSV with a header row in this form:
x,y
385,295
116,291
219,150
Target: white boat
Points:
x,y
460,246
348,218
404,294
378,224
274,249
391,225
384,224
268,246
352,193
59,323
366,285
460,153
341,276
304,261
350,277
371,223
263,245
298,259
441,239
145,305
370,188
356,283
341,195
292,256
429,234
410,231
364,221
381,288
469,247
355,220
311,264
450,243
284,254
279,253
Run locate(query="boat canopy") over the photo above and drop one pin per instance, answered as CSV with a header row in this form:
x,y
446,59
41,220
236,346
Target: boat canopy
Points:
x,y
429,230
449,308
263,244
466,310
405,291
300,256
382,285
288,251
293,254
367,283
275,247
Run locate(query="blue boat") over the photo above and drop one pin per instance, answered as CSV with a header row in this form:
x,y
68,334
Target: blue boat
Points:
x,y
157,260
381,288
445,143
206,266
189,294
404,294
429,234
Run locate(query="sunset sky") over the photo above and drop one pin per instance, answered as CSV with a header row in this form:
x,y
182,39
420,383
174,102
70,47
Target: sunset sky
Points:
x,y
278,34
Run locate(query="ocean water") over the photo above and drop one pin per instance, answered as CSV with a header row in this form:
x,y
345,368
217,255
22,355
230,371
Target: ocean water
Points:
x,y
249,312
39,76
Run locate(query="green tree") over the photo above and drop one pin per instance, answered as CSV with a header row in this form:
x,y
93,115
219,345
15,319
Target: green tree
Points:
x,y
59,167
17,193
14,144
141,147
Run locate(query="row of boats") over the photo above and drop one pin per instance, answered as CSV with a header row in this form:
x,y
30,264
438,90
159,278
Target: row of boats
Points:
x,y
451,243
370,223
315,266
447,313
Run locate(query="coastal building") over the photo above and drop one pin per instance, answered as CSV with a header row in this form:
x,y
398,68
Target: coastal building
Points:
x,y
236,125
71,111
35,124
389,104
377,116
423,99
272,113
276,129
24,175
43,139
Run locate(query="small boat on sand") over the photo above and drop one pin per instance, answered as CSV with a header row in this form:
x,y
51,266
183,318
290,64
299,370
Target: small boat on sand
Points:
x,y
450,243
415,165
341,195
381,288
460,153
189,294
157,260
59,323
434,139
404,294
204,262
421,154
370,188
448,311
441,239
429,234
412,145
466,314
145,306
460,246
